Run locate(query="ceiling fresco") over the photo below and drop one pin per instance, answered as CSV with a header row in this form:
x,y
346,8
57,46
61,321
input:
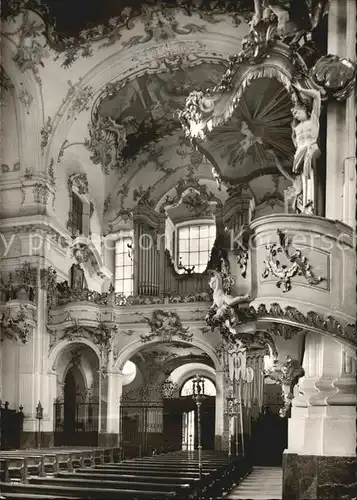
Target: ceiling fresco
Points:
x,y
146,105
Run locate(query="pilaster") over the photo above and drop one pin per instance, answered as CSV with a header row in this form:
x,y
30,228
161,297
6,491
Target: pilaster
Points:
x,y
341,121
322,427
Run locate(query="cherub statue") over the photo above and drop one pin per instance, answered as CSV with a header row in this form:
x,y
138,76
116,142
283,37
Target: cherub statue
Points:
x,y
221,310
306,126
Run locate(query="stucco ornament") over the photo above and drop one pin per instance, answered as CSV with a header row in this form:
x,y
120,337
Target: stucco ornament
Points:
x,y
161,21
165,324
78,181
17,322
107,140
296,264
287,374
31,49
337,75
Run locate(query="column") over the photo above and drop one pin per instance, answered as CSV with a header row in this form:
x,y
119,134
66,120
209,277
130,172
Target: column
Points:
x,y
320,459
114,392
341,120
221,437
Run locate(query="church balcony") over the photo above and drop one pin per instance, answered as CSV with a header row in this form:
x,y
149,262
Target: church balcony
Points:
x,y
91,308
306,263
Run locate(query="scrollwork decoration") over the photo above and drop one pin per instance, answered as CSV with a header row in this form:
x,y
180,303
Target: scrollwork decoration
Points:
x,y
106,142
311,320
78,181
17,323
287,375
297,264
46,131
165,324
48,282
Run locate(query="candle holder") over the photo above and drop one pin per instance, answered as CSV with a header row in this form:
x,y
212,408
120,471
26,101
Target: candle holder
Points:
x,y
232,413
198,395
39,417
186,269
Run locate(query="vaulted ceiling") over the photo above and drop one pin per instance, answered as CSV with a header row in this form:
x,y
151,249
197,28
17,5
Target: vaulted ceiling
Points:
x,y
136,63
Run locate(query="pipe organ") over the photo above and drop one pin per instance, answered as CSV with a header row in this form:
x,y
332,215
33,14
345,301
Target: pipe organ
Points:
x,y
154,271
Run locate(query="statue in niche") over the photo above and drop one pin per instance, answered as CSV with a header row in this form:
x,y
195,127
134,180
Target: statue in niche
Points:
x,y
305,127
222,312
77,274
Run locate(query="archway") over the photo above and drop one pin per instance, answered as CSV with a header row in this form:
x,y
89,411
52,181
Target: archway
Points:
x,y
152,409
191,420
77,406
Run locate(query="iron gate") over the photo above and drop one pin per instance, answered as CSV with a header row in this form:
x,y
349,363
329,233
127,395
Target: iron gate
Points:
x,y
141,427
76,422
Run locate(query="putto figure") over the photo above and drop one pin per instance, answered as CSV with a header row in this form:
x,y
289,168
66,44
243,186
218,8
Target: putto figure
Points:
x,y
305,133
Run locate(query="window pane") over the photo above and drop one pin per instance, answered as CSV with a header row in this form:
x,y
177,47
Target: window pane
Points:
x,y
183,233
195,250
212,231
194,259
127,272
194,245
204,232
205,244
183,246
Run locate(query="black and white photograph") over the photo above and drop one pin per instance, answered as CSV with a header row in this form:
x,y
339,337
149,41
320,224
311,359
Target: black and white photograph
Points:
x,y
178,249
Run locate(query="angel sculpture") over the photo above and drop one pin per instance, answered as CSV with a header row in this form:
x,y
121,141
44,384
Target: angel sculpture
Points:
x,y
222,312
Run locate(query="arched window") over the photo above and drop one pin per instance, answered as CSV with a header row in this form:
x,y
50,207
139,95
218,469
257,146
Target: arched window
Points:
x,y
210,388
194,244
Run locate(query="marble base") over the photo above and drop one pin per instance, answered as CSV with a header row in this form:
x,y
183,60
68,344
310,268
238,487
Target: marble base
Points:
x,y
310,477
30,440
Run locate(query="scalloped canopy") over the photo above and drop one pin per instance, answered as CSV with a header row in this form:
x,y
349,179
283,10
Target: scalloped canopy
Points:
x,y
262,121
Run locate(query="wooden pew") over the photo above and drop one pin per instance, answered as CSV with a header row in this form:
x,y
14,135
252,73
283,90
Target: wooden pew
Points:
x,y
172,476
83,492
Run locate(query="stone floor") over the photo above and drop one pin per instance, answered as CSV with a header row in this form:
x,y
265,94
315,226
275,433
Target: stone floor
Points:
x,y
264,483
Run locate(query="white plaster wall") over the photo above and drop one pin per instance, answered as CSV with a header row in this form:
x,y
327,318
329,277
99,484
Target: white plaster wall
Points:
x,y
9,143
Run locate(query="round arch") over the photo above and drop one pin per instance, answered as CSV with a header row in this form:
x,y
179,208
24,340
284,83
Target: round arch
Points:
x,y
59,348
129,350
181,374
119,66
